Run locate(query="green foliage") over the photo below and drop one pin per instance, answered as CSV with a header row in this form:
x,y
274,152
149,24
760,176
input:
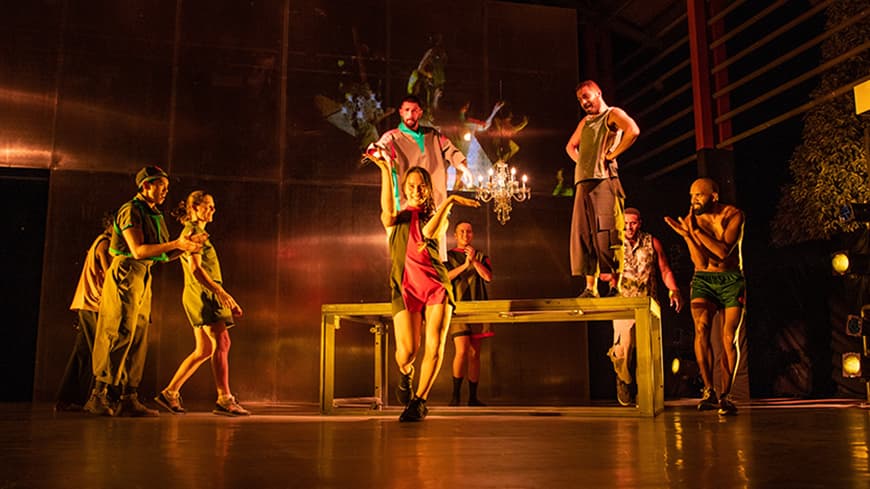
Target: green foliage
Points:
x,y
829,168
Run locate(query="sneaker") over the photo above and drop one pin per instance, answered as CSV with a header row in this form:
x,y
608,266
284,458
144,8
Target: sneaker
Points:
x,y
229,406
623,393
170,403
476,403
415,411
132,408
726,407
588,294
404,391
99,404
708,401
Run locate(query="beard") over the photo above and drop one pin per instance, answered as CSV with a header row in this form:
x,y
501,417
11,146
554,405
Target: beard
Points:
x,y
702,209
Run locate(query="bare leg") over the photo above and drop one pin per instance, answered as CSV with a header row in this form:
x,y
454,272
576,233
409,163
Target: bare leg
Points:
x,y
407,327
474,360
201,352
462,345
437,324
733,319
702,314
220,364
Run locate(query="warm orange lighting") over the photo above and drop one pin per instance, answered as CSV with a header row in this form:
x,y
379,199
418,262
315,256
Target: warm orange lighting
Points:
x,y
852,365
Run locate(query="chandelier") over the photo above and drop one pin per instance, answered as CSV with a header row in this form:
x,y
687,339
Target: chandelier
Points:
x,y
502,187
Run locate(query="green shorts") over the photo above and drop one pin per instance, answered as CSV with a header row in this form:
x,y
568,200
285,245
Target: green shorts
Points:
x,y
727,289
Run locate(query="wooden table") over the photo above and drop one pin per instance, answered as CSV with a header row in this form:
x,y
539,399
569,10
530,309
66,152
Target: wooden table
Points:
x,y
378,318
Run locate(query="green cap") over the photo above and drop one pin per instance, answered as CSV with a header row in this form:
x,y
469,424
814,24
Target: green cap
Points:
x,y
149,173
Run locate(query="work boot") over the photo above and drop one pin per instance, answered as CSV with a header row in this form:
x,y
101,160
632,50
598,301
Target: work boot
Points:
x,y
132,408
404,391
99,404
726,407
623,393
472,395
415,411
709,401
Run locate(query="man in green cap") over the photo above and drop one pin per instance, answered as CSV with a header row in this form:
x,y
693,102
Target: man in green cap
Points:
x,y
139,239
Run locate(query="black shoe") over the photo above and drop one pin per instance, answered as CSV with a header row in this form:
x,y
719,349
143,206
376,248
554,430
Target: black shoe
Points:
x,y
131,407
415,411
404,391
99,404
171,404
475,403
454,401
613,292
709,401
726,407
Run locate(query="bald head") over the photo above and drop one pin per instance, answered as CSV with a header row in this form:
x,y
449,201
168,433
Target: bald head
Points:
x,y
704,194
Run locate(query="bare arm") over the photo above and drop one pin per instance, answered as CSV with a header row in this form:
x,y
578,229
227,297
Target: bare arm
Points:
x,y
104,260
699,258
722,248
573,146
388,205
668,277
438,222
205,279
629,129
140,250
482,269
495,108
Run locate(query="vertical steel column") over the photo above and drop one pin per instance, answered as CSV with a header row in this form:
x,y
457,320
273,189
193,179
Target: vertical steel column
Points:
x,y
720,78
700,66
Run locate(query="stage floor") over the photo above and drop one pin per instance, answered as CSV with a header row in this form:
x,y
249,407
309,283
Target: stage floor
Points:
x,y
769,444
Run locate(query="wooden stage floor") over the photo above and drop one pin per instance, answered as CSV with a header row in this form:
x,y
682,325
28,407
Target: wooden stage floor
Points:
x,y
794,444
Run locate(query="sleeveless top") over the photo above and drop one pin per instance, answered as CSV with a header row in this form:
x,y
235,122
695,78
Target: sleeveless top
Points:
x,y
595,140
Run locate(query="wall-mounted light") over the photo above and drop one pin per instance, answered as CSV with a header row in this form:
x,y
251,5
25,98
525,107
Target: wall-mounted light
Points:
x,y
852,365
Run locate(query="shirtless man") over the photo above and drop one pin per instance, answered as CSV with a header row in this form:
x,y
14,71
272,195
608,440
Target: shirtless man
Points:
x,y
713,232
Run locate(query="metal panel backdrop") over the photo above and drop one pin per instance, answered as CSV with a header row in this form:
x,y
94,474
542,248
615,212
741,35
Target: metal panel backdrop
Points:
x,y
266,105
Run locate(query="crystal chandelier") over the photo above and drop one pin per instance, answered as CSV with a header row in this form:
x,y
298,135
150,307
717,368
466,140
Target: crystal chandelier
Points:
x,y
502,187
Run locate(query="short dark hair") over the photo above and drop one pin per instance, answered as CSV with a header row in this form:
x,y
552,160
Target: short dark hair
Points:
x,y
410,98
633,211
587,83
464,221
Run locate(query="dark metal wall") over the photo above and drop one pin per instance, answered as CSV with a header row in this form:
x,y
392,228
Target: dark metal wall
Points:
x,y
222,95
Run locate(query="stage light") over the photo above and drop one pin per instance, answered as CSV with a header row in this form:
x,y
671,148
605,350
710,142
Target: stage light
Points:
x,y
845,263
854,325
840,262
467,136
852,365
684,367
